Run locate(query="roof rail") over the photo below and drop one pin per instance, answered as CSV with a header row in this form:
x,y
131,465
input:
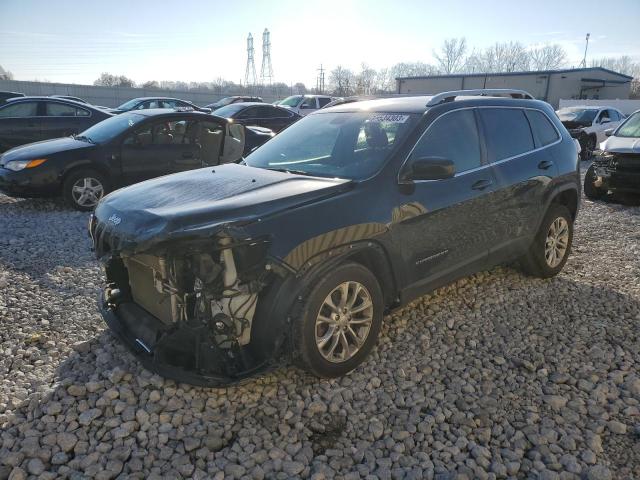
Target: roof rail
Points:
x,y
480,92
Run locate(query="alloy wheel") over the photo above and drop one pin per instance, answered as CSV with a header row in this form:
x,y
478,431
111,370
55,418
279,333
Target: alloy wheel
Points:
x,y
344,322
557,242
87,191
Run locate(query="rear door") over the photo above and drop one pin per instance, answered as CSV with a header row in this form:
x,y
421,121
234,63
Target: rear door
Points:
x,y
445,227
19,124
523,166
62,120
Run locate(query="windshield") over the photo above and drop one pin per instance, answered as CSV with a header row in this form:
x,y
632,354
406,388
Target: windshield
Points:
x,y
229,110
580,115
292,101
630,128
128,105
223,102
351,145
111,127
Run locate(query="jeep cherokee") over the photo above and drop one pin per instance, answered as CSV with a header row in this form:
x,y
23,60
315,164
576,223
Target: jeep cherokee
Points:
x,y
219,273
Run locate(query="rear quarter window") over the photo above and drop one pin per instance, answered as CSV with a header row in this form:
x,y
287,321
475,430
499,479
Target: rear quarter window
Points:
x,y
507,132
542,127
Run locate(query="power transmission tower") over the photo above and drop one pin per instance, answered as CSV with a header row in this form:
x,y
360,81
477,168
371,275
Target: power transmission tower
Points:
x,y
320,80
583,64
266,72
250,72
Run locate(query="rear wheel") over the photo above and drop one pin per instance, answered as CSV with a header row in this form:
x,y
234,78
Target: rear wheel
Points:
x,y
552,244
84,188
590,190
339,321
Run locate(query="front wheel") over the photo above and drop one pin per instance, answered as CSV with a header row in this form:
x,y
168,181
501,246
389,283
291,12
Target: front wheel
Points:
x,y
339,321
84,188
552,244
590,190
588,147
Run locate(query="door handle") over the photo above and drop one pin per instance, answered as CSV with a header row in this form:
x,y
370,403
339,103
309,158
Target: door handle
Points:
x,y
545,164
481,184
187,155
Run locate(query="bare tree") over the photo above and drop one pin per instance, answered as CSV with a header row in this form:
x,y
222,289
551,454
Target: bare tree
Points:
x,y
300,88
109,80
623,64
502,57
451,58
547,57
366,79
151,84
342,81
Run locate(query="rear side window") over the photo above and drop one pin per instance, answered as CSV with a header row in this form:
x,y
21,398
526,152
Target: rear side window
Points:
x,y
453,136
507,132
61,110
542,127
22,109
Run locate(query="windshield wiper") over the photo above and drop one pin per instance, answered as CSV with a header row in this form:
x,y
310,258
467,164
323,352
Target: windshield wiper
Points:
x,y
295,172
83,138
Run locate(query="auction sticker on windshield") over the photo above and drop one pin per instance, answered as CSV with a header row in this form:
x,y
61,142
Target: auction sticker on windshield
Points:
x,y
386,117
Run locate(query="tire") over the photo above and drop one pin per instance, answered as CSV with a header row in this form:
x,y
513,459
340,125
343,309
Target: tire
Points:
x,y
97,184
590,190
308,328
535,262
588,147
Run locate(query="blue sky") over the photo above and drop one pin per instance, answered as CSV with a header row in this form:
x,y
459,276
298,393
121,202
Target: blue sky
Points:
x,y
198,40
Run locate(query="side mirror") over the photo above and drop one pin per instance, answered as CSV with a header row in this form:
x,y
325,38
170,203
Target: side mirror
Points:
x,y
306,107
427,168
609,131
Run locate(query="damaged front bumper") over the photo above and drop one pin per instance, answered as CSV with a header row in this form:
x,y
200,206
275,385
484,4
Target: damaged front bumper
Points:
x,y
619,172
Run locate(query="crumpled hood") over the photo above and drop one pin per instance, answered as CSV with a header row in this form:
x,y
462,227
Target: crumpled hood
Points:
x,y
200,202
621,145
42,149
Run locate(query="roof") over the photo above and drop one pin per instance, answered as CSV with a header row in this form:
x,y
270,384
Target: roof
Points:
x,y
529,72
50,98
151,112
418,104
159,98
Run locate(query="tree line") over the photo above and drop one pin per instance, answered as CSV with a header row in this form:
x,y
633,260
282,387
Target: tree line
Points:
x,y
453,57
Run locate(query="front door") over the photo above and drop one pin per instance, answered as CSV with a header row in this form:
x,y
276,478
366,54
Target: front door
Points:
x,y
445,226
144,153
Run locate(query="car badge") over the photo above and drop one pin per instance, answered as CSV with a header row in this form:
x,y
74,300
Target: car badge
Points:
x,y
115,219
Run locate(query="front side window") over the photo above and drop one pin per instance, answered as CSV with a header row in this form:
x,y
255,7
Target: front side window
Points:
x,y
22,109
582,116
453,136
323,101
507,132
309,102
351,145
291,101
630,128
542,127
604,115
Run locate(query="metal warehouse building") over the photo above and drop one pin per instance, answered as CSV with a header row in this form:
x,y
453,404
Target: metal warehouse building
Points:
x,y
548,85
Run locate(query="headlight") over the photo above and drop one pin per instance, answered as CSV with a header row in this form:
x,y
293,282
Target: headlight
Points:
x,y
16,165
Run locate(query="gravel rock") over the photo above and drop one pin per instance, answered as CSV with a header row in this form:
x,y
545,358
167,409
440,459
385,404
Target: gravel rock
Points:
x,y
496,376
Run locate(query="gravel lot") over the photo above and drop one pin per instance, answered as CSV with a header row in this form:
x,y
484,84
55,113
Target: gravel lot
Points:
x,y
497,376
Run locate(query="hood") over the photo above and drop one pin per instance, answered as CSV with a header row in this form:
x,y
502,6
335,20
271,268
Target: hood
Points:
x,y
199,203
43,149
569,124
621,145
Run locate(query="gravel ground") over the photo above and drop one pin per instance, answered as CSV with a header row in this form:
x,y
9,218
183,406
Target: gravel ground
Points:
x,y
496,376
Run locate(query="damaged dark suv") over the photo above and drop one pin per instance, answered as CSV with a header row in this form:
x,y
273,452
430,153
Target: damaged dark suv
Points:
x,y
219,273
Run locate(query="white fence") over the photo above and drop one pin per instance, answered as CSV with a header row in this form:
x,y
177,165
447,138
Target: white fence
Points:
x,y
114,96
625,106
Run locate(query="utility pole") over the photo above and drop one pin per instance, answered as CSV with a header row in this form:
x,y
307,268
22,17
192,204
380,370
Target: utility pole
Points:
x,y
250,72
583,64
320,80
266,72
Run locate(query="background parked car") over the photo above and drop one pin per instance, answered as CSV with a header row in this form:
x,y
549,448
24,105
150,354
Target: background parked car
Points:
x,y
305,104
260,114
234,99
31,119
122,150
4,96
144,103
617,168
587,124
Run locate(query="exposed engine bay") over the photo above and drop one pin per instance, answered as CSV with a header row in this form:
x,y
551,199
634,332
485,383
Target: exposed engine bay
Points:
x,y
191,310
